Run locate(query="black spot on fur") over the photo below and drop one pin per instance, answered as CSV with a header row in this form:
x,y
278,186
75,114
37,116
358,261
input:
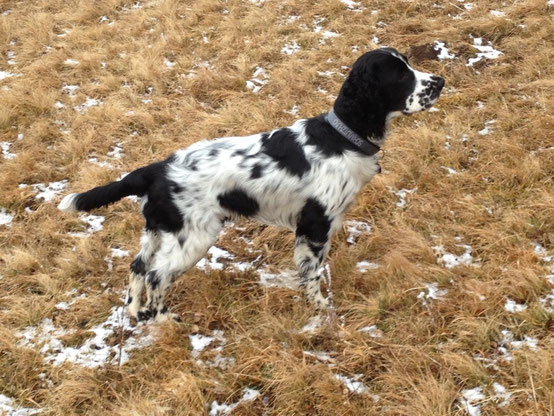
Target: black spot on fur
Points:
x,y
144,315
239,202
313,223
159,211
138,266
282,147
256,171
129,300
153,280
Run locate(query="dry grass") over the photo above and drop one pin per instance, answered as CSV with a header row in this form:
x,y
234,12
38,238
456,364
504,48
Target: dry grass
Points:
x,y
169,73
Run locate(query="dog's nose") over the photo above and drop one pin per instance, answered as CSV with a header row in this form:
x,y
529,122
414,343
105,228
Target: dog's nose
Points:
x,y
439,81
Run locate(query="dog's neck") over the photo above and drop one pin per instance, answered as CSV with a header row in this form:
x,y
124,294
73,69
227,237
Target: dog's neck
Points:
x,y
365,116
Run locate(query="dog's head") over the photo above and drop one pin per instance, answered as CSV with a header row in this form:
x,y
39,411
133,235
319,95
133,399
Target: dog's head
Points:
x,y
384,77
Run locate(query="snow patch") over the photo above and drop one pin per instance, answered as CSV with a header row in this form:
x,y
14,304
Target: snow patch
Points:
x,y
372,331
433,293
485,52
352,384
471,400
94,223
364,266
248,395
89,103
47,192
290,48
450,260
442,50
401,194
514,307
287,279
258,80
5,146
487,129
5,217
95,351
355,230
8,408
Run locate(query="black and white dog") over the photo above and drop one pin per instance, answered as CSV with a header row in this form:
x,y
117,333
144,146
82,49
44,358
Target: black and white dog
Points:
x,y
303,177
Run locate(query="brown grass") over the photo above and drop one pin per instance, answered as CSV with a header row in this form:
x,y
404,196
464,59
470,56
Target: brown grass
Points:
x,y
500,203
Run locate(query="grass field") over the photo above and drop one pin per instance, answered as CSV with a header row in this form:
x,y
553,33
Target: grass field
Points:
x,y
442,278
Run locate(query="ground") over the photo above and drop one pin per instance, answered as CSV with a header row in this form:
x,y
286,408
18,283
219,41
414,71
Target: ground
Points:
x,y
442,279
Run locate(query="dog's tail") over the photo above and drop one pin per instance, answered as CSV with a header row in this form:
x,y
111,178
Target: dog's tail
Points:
x,y
135,183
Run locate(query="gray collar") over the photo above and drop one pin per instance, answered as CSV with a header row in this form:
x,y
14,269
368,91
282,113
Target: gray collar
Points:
x,y
364,145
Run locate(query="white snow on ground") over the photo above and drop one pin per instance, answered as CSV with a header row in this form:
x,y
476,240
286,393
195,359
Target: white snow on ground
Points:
x,y
215,254
64,306
5,146
8,408
313,325
433,293
290,47
501,394
471,400
258,80
94,223
199,342
498,13
485,52
547,301
47,192
401,194
248,395
450,171
441,48
353,5
324,357
507,344
89,103
4,75
487,129
293,111
5,217
450,260
514,307
285,278
364,265
95,351
116,253
72,62
355,230
352,383
372,331
70,90
115,154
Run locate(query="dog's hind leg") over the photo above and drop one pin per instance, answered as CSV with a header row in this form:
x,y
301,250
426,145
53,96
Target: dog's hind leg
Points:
x,y
150,243
177,254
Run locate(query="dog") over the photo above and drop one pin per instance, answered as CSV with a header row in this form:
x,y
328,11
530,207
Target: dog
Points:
x,y
303,177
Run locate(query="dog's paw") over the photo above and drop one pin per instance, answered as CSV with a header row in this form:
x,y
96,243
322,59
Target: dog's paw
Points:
x,y
167,316
144,315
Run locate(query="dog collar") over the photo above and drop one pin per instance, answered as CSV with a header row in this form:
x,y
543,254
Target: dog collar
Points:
x,y
365,146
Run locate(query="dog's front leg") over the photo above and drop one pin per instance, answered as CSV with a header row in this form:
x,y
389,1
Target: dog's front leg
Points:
x,y
309,256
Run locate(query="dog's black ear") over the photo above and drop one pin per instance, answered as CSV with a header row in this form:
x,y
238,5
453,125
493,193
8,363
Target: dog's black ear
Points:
x,y
360,89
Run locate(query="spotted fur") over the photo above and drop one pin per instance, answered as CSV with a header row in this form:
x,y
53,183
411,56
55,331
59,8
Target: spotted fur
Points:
x,y
303,177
